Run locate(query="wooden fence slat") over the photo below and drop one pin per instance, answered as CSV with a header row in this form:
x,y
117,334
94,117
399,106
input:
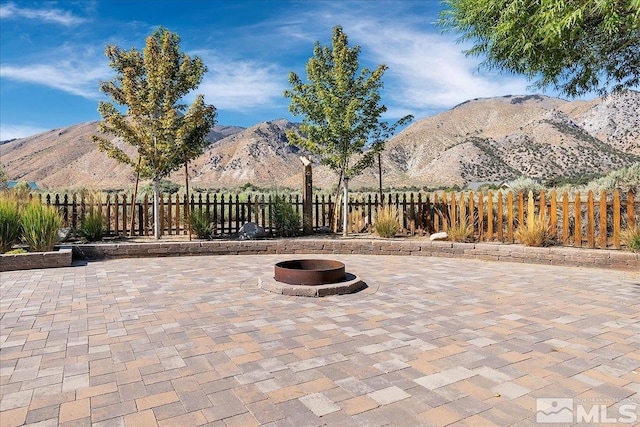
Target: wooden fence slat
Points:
x,y
616,219
481,235
500,220
553,214
603,220
631,214
565,218
591,239
577,240
489,216
510,217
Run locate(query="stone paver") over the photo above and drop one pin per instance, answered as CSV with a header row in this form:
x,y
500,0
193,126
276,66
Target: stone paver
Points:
x,y
430,341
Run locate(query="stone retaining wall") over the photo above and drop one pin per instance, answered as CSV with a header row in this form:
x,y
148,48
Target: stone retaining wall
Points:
x,y
28,261
577,257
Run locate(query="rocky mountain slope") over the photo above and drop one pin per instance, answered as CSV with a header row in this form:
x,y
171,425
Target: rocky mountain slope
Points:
x,y
503,138
492,139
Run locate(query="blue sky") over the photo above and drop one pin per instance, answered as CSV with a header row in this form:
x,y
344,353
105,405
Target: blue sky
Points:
x,y
52,55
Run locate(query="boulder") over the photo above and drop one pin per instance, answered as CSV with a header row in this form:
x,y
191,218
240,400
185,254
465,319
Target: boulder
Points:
x,y
438,236
251,230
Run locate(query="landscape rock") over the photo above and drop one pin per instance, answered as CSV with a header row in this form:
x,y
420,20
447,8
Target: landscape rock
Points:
x,y
438,236
250,231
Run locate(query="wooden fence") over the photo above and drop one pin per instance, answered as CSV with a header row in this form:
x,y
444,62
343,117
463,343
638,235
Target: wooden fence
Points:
x,y
575,219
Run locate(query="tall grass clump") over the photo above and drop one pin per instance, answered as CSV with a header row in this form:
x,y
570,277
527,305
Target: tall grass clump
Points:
x,y
40,226
461,232
538,234
201,224
631,238
9,223
387,222
93,228
286,220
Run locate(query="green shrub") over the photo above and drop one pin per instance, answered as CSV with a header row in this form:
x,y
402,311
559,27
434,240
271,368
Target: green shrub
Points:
x,y
387,222
201,224
9,223
17,251
93,227
285,219
40,226
631,238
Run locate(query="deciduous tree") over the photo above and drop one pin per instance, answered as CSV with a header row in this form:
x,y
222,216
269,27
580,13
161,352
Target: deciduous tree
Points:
x,y
150,85
341,109
574,45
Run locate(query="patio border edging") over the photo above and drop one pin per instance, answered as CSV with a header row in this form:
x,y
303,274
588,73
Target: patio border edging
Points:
x,y
32,260
575,257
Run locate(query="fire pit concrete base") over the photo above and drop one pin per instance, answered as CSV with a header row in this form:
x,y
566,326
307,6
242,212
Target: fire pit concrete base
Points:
x,y
350,284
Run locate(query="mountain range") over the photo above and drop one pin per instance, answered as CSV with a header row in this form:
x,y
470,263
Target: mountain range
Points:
x,y
491,139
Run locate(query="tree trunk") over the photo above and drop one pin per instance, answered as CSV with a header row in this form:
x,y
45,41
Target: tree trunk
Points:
x,y
133,200
156,207
188,205
345,214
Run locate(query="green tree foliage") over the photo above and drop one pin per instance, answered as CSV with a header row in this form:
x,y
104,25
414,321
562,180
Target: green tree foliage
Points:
x,y
341,109
575,45
150,85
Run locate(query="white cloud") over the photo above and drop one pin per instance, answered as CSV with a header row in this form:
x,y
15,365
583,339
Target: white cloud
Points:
x,y
18,131
428,71
76,78
11,10
238,85
431,71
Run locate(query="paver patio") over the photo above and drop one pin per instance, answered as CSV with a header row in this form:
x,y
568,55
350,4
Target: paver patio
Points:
x,y
193,341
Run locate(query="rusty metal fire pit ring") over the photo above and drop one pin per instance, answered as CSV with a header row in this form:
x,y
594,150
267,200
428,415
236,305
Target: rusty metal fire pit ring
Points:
x,y
309,272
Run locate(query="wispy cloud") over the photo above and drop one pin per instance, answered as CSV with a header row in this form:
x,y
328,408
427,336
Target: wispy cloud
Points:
x,y
8,131
11,10
428,71
77,78
238,85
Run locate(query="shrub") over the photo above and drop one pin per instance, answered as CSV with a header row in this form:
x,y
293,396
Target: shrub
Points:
x,y
40,226
631,238
166,187
9,223
93,227
17,251
286,220
461,232
201,224
387,222
525,185
539,234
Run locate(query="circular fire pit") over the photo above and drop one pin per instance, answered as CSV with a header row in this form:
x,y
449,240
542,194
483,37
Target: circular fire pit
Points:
x,y
309,272
312,278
